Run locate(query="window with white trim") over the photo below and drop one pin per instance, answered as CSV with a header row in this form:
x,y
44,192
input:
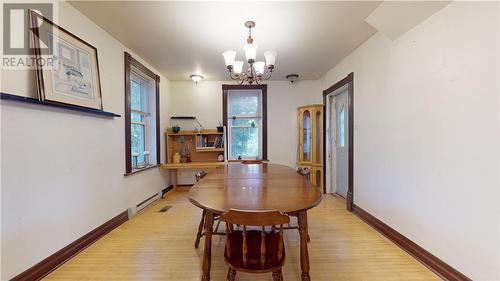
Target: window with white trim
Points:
x,y
140,121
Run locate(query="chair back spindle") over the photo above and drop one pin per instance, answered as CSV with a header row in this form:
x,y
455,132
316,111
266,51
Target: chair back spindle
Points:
x,y
245,247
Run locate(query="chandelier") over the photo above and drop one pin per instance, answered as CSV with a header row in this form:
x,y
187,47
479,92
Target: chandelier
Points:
x,y
256,71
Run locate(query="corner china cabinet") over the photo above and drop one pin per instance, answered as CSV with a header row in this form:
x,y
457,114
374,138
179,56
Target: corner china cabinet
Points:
x,y
310,145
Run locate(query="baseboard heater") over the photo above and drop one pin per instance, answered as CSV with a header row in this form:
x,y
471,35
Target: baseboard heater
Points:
x,y
146,202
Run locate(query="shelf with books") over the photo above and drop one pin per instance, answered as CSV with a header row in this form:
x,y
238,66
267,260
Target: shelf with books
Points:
x,y
203,146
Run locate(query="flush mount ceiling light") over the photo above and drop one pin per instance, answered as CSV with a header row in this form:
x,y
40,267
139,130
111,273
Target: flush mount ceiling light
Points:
x,y
196,78
256,71
292,77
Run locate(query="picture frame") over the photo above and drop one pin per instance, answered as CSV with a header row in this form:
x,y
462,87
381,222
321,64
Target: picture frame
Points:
x,y
71,74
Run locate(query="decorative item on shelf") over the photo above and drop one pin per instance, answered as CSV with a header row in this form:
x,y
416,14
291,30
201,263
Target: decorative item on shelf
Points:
x,y
256,71
184,150
198,128
176,129
135,155
220,128
176,158
220,157
72,75
146,158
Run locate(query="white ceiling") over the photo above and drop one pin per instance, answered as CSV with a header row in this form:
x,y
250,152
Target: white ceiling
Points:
x,y
182,38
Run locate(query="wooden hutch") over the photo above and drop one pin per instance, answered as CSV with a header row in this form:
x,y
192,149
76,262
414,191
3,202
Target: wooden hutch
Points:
x,y
310,145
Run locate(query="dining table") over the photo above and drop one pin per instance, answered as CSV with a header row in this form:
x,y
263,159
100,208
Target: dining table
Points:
x,y
255,187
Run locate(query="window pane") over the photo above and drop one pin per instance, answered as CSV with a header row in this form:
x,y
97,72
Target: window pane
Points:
x,y
243,104
135,95
137,142
136,117
342,128
250,122
306,135
244,143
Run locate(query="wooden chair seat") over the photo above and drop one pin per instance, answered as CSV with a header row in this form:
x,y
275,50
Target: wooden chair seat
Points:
x,y
254,264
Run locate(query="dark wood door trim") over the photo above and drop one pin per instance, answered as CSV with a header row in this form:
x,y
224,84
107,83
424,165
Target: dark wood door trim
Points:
x,y
349,81
49,264
263,88
432,262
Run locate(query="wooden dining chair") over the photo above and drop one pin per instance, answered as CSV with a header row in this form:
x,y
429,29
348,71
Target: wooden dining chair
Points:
x,y
200,232
254,250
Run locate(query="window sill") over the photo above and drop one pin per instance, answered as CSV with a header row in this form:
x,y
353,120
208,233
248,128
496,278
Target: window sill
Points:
x,y
140,170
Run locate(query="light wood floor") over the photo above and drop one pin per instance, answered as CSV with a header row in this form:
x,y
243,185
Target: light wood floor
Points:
x,y
159,246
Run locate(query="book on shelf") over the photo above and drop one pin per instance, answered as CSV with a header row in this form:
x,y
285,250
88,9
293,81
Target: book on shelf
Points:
x,y
205,143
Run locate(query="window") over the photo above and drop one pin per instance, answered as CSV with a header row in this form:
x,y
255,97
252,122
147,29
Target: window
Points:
x,y
342,127
245,117
141,116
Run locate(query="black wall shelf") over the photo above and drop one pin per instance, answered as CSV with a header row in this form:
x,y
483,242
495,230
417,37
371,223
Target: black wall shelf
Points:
x,y
5,96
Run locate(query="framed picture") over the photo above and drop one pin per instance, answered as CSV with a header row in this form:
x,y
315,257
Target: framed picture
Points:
x,y
71,74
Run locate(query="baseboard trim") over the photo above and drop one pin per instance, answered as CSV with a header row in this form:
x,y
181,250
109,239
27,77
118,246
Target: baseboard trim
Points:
x,y
49,264
432,262
166,189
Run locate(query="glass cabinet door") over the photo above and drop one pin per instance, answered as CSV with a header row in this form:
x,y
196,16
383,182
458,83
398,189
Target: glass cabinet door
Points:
x,y
318,178
306,136
318,137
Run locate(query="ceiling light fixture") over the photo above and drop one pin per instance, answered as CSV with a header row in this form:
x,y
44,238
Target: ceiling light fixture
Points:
x,y
196,78
256,71
292,78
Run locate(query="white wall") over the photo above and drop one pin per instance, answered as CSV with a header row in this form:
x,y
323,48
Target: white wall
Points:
x,y
62,171
427,137
204,100
426,141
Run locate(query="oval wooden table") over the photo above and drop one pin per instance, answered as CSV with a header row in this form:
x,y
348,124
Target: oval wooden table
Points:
x,y
255,187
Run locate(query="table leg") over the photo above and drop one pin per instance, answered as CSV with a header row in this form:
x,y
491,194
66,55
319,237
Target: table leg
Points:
x,y
207,254
304,254
173,178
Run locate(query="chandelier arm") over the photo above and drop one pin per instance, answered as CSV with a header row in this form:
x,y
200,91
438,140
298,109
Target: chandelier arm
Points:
x,y
233,75
230,72
253,74
242,78
268,75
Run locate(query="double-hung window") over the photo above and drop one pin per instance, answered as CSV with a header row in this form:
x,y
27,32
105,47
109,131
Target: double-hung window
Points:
x,y
139,116
142,116
245,118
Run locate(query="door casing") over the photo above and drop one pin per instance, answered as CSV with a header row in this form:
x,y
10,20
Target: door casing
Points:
x,y
349,81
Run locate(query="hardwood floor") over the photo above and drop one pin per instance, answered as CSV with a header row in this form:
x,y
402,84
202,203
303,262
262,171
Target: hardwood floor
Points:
x,y
159,246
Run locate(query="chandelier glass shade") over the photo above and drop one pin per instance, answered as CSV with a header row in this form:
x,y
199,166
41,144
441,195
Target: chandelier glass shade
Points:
x,y
255,71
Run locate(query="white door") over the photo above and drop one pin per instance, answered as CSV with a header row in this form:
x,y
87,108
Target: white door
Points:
x,y
340,110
